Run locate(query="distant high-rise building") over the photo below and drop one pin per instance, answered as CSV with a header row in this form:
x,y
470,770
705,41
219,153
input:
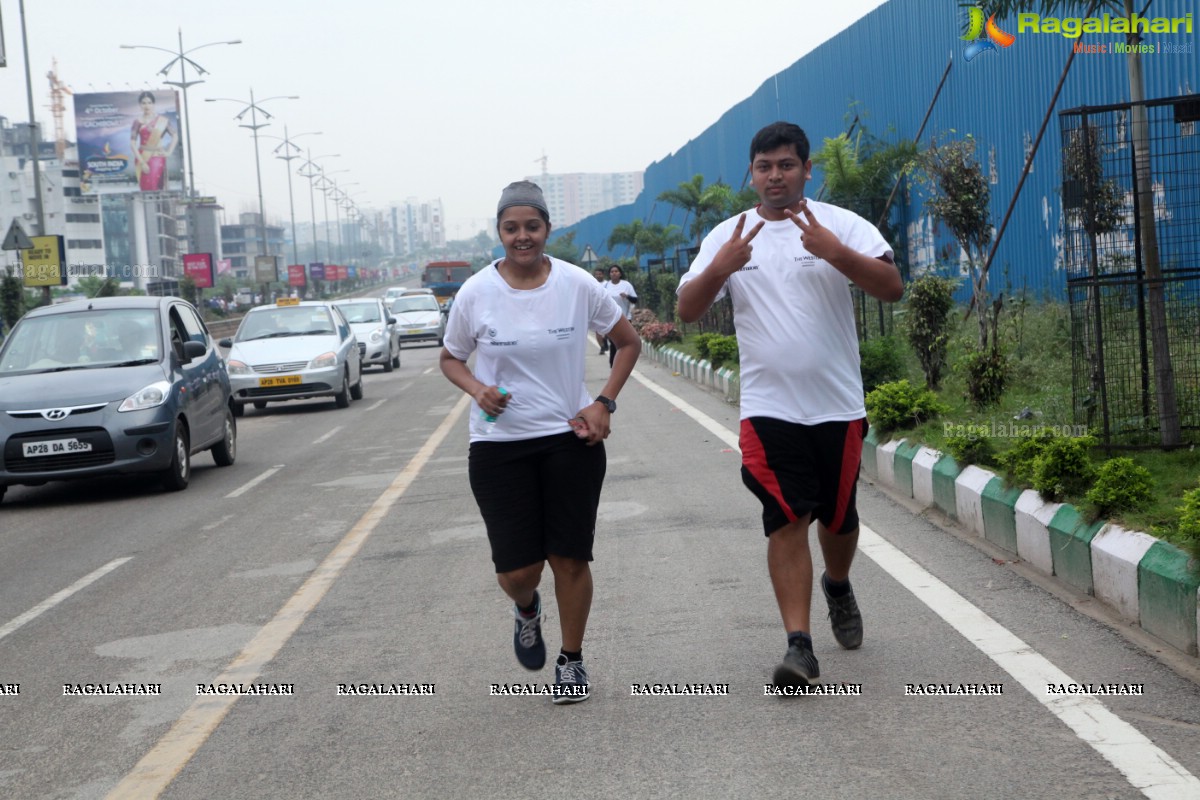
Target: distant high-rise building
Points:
x,y
574,195
419,225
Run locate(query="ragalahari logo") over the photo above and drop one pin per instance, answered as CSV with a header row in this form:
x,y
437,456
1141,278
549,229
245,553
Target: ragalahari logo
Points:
x,y
977,28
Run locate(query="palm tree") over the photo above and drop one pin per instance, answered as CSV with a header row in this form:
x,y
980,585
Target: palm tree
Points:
x,y
704,205
658,240
627,235
1164,372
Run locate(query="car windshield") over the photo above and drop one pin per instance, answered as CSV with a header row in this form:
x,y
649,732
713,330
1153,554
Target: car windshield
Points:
x,y
360,312
403,305
270,323
82,340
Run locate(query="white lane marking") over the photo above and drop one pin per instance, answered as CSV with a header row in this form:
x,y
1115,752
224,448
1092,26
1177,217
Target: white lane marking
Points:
x,y
428,370
56,598
328,434
253,482
213,525
374,406
1147,767
150,777
705,421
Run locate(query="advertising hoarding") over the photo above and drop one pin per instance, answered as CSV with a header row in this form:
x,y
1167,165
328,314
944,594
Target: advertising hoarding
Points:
x,y
265,270
46,263
129,142
296,275
199,267
317,271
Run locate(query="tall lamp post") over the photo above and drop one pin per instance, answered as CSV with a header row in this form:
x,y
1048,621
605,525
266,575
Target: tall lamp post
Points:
x,y
291,150
328,187
254,108
181,58
311,171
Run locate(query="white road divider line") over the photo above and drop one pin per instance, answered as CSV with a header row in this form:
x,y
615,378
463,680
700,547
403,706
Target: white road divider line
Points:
x,y
328,434
250,484
371,407
1146,766
150,777
56,598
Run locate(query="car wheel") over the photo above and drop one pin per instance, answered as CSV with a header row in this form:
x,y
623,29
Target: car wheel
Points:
x,y
180,472
396,358
260,404
390,364
225,451
3,489
439,341
239,409
356,391
342,398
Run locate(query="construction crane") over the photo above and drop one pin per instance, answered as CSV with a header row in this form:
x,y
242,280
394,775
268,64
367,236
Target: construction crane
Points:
x,y
543,161
57,91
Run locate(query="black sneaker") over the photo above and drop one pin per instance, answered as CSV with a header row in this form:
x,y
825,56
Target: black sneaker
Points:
x,y
845,618
527,637
799,668
570,681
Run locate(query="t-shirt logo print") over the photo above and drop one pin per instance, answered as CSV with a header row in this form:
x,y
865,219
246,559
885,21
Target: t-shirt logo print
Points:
x,y
492,334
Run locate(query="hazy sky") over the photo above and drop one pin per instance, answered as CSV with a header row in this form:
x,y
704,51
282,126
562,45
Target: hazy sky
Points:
x,y
450,99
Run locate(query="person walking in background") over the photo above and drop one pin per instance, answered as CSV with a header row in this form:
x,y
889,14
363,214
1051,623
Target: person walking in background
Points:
x,y
624,294
536,461
787,265
601,340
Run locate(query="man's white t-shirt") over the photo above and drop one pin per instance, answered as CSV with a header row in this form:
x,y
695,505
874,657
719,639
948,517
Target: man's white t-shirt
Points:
x,y
794,317
532,342
615,290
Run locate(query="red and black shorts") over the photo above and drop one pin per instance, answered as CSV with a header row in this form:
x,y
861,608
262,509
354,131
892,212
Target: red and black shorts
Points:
x,y
538,497
797,469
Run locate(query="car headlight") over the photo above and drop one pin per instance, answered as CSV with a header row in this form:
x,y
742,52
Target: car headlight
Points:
x,y
377,336
148,397
324,360
236,367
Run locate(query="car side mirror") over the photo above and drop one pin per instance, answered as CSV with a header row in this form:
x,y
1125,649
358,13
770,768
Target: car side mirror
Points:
x,y
226,343
391,320
192,351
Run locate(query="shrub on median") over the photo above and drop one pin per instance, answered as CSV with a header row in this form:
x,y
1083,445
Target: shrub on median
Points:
x,y
899,404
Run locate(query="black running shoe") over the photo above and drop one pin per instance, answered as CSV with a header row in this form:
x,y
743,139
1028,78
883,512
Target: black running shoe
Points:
x,y
798,669
845,618
570,682
527,637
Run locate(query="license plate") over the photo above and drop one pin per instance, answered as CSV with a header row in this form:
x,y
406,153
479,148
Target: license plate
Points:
x,y
55,447
414,327
282,380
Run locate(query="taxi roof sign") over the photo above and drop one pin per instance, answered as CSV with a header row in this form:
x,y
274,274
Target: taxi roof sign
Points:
x,y
288,301
16,238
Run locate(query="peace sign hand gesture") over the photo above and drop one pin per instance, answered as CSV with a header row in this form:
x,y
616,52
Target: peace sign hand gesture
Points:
x,y
816,238
735,253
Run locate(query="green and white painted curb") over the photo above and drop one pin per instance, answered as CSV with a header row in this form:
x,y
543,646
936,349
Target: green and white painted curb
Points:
x,y
1145,580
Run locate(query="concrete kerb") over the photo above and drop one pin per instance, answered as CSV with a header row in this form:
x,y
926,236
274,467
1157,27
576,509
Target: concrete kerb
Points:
x,y
1116,554
1147,581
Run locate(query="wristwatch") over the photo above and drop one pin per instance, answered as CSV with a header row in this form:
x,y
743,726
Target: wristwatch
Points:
x,y
611,405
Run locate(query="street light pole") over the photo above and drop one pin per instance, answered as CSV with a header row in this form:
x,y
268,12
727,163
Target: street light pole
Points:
x,y
311,167
255,109
181,57
287,157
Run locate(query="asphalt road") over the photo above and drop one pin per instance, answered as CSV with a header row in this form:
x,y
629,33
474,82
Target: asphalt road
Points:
x,y
344,548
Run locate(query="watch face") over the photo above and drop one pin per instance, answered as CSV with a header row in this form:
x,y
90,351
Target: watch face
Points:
x,y
611,405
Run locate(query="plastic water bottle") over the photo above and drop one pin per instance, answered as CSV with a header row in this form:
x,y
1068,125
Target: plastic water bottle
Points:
x,y
489,420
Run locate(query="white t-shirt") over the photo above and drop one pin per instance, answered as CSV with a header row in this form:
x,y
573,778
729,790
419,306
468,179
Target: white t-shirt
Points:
x,y
616,289
794,318
532,342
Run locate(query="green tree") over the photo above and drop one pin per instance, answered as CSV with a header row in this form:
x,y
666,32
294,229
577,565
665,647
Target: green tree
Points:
x,y
860,173
659,240
564,248
12,298
627,234
1164,372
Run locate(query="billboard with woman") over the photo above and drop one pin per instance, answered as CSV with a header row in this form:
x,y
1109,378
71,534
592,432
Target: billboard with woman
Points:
x,y
129,142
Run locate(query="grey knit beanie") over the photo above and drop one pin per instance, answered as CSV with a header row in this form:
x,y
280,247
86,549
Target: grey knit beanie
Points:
x,y
522,193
